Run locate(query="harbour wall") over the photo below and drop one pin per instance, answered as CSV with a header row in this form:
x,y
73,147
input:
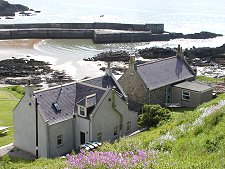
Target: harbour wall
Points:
x,y
98,32
154,28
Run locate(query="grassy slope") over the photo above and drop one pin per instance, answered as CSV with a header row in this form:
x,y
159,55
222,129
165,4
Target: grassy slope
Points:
x,y
202,146
7,104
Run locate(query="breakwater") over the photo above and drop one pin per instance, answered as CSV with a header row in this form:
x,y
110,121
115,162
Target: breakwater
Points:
x,y
98,32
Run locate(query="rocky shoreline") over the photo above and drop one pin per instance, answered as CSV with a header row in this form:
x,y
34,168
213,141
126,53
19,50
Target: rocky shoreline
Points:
x,y
200,35
204,56
19,71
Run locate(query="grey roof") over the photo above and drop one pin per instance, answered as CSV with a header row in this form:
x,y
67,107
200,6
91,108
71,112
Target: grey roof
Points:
x,y
195,86
106,82
164,72
88,101
69,96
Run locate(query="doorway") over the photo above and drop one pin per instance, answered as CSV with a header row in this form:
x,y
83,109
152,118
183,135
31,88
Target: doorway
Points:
x,y
82,137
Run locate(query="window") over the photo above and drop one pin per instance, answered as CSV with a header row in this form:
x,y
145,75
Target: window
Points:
x,y
59,140
115,131
82,111
56,107
129,126
185,95
99,136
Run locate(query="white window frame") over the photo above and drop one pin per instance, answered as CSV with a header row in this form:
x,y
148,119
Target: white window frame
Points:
x,y
128,126
59,137
186,94
115,131
85,111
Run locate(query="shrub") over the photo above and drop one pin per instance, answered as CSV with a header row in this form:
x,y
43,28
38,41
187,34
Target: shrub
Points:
x,y
18,89
153,115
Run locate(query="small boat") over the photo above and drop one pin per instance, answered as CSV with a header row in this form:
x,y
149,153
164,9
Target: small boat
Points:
x,y
101,16
37,11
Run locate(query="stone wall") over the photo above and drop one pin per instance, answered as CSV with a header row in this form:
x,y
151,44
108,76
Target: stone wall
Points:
x,y
155,28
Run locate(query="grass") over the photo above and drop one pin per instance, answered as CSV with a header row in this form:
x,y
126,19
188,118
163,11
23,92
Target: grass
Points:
x,y
206,79
201,146
42,163
8,102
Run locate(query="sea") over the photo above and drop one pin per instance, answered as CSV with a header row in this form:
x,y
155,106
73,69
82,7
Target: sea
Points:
x,y
186,16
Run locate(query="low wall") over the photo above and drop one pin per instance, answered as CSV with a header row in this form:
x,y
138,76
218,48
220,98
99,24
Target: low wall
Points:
x,y
129,37
47,34
155,28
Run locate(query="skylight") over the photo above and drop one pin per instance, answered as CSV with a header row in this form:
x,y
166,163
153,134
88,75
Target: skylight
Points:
x,y
56,107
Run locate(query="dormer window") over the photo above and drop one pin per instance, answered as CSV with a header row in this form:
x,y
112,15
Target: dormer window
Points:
x,y
82,111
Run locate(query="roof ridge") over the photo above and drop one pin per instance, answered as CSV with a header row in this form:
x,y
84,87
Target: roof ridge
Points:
x,y
155,61
55,87
86,84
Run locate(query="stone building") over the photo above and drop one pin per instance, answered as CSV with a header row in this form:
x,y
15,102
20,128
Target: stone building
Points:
x,y
152,82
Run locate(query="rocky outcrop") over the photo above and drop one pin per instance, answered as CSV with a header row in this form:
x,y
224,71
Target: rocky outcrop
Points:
x,y
154,53
201,35
111,56
18,71
7,9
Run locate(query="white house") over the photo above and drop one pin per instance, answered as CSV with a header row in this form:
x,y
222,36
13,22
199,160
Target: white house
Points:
x,y
52,122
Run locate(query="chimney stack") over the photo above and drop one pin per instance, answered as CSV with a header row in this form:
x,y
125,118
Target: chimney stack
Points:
x,y
29,89
132,64
179,52
108,70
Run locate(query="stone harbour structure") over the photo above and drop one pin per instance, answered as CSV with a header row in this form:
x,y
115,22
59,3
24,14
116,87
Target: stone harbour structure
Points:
x,y
98,32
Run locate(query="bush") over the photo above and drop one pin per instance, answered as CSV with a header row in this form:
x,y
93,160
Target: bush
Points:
x,y
18,89
153,115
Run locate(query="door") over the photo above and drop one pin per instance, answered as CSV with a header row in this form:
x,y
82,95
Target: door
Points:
x,y
82,137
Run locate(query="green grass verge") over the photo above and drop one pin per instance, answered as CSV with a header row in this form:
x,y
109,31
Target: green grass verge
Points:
x,y
12,163
8,101
6,119
206,79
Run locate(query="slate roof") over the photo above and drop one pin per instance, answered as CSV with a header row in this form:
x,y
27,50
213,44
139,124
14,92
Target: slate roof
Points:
x,y
69,96
88,101
194,86
106,82
164,72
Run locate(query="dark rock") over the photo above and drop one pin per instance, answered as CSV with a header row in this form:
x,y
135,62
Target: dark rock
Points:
x,y
18,71
111,56
7,9
201,35
155,53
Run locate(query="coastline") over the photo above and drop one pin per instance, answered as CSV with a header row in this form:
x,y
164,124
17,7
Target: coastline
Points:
x,y
68,55
19,43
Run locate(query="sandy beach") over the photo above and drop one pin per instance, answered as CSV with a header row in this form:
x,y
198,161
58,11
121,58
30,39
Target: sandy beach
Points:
x,y
19,43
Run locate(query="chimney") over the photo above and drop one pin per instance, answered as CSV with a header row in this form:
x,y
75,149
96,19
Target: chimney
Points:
x,y
180,52
108,70
29,89
132,64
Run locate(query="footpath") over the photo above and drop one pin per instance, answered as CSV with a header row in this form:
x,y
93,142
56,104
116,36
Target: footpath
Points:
x,y
6,149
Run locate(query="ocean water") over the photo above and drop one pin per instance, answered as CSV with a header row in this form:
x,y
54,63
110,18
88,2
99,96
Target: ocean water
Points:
x,y
187,16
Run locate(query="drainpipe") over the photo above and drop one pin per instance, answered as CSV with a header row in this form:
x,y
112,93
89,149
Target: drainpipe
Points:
x,y
117,111
36,113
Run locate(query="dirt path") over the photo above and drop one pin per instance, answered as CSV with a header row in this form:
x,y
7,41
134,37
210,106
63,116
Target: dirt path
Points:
x,y
10,94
